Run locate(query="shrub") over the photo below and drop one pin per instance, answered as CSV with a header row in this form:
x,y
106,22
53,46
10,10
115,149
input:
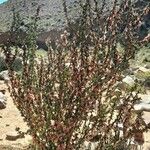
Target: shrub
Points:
x,y
73,97
3,65
17,64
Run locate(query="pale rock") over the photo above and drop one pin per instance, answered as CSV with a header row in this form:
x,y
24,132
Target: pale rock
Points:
x,y
90,145
143,69
67,64
52,122
145,98
129,80
86,145
144,103
94,145
142,107
4,75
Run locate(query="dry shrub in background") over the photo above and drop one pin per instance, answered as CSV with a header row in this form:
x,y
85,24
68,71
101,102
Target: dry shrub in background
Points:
x,y
73,96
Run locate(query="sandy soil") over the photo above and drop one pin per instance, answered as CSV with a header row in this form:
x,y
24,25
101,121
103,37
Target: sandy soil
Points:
x,y
10,119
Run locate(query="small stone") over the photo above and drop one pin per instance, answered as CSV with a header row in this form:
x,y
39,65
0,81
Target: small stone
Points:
x,y
145,98
134,68
52,122
142,107
4,75
13,136
143,69
90,145
129,80
3,91
2,104
147,66
2,96
129,72
2,101
147,83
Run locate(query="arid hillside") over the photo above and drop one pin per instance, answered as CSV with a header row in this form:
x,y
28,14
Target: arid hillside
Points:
x,y
51,14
